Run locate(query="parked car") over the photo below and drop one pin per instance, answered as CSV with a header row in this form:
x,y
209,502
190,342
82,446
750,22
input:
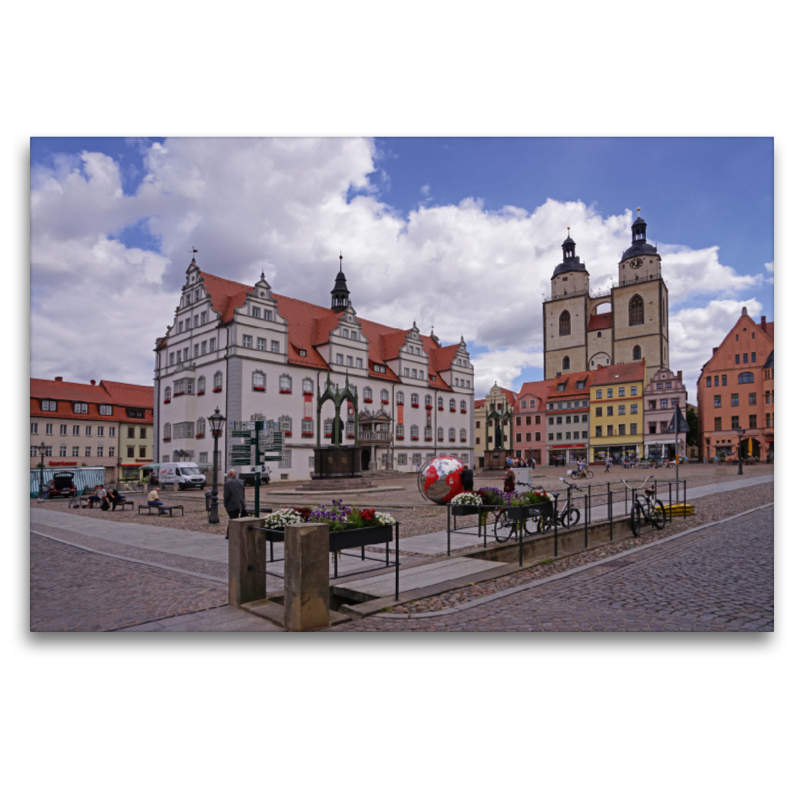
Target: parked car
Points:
x,y
62,485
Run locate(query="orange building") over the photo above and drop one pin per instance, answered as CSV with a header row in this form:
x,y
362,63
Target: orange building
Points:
x,y
735,392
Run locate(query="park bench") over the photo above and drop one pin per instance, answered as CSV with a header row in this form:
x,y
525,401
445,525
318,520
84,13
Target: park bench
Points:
x,y
124,503
151,509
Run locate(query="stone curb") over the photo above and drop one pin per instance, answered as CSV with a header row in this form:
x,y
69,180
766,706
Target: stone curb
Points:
x,y
541,581
132,560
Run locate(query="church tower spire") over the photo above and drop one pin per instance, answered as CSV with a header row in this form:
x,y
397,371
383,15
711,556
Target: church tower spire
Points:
x,y
340,296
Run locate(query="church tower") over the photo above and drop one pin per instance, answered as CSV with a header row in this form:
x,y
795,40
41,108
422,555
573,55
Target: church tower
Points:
x,y
640,305
340,297
565,314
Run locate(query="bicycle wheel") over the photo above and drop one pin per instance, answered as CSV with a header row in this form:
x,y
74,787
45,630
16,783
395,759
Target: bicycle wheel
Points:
x,y
503,527
533,524
636,518
589,473
568,519
658,515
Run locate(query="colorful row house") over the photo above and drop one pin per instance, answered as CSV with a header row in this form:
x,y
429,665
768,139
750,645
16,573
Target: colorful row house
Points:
x,y
617,411
568,418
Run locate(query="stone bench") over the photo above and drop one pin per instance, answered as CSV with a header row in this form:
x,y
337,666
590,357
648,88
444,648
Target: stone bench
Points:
x,y
157,509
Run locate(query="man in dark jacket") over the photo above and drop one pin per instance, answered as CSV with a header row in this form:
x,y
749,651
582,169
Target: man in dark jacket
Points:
x,y
233,495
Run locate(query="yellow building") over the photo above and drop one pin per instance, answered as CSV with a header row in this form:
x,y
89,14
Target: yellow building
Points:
x,y
617,411
489,452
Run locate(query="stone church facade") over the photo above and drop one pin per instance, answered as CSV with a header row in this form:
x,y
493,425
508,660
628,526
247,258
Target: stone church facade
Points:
x,y
584,330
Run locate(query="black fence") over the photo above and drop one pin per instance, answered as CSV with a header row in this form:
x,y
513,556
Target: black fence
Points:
x,y
340,541
569,508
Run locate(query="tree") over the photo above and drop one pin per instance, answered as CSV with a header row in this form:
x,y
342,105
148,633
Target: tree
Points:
x,y
691,419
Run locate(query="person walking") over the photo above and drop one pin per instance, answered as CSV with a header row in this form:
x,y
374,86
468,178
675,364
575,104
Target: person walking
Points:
x,y
154,500
509,481
467,479
233,496
533,463
608,463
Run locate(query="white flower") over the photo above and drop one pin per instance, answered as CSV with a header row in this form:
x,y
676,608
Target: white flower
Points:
x,y
384,519
466,499
278,520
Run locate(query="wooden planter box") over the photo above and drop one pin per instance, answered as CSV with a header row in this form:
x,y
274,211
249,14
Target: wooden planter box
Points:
x,y
361,537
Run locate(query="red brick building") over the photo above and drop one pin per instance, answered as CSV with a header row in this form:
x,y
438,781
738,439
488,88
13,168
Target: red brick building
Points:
x,y
735,392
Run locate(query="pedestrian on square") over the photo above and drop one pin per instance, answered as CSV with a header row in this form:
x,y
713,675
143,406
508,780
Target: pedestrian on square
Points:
x,y
533,463
154,500
97,497
233,495
467,479
509,481
608,463
115,498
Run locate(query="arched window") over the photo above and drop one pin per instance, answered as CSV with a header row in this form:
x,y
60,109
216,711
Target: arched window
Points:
x,y
259,381
367,394
463,406
285,424
308,386
167,432
384,396
201,385
636,311
564,324
452,404
441,404
218,381
637,353
428,433
463,434
415,431
167,393
428,401
201,427
328,428
746,377
400,398
400,431
440,434
415,400
565,362
451,434
285,384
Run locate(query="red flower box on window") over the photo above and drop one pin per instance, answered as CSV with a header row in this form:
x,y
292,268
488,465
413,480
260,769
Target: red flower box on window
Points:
x,y
415,405
308,434
166,400
328,435
200,436
399,402
367,399
429,438
428,406
285,391
287,433
400,436
385,402
441,408
463,410
259,388
452,438
452,409
414,438
201,393
178,394
351,436
217,389
440,439
167,439
463,439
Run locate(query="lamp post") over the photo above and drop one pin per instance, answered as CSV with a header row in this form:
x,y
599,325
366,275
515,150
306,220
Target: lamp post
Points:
x,y
42,450
215,422
740,431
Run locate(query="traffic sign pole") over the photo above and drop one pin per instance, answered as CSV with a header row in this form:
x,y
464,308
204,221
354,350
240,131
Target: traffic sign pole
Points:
x,y
259,427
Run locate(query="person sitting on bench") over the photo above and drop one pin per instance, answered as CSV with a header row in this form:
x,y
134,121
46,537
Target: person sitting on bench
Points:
x,y
153,500
97,497
115,498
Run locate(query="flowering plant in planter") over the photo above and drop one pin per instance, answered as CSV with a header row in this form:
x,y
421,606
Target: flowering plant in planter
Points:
x,y
178,394
166,400
167,439
199,436
278,520
201,393
216,389
259,388
341,517
467,499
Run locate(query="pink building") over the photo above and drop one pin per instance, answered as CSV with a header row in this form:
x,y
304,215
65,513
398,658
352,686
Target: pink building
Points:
x,y
665,391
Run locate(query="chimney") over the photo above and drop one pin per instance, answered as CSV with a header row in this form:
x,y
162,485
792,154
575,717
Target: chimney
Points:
x,y
763,320
680,376
92,381
715,351
59,378
744,311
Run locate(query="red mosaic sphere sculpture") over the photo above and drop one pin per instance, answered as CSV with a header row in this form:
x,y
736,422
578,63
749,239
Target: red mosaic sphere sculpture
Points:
x,y
440,479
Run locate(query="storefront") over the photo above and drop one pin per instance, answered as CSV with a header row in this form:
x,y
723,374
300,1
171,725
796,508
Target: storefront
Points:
x,y
560,455
617,452
136,471
660,450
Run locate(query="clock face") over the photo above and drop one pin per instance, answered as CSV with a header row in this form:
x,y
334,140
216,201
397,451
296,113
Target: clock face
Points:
x,y
636,263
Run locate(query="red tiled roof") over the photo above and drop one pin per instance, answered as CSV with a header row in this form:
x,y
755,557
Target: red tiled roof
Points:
x,y
599,322
480,403
619,373
129,394
571,388
536,388
310,326
118,395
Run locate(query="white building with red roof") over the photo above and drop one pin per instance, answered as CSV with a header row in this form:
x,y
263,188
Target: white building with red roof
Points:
x,y
256,354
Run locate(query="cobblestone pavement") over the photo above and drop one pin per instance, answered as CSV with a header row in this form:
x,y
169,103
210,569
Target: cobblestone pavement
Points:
x,y
716,579
73,590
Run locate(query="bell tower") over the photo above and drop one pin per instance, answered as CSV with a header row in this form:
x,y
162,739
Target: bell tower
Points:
x,y
340,296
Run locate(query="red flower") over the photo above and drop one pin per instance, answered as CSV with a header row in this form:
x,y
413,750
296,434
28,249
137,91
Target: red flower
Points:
x,y
368,514
200,393
217,389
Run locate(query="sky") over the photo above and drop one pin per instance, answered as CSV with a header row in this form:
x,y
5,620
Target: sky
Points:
x,y
460,235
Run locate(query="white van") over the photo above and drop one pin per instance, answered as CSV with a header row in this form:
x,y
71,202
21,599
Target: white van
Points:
x,y
184,474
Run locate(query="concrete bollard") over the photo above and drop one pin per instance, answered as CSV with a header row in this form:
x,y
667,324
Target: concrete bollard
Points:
x,y
246,547
306,593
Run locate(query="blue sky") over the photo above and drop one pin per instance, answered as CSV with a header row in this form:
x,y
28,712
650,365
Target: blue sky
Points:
x,y
483,213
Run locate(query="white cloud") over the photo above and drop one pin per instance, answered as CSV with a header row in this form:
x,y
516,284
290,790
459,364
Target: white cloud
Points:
x,y
770,267
694,332
281,205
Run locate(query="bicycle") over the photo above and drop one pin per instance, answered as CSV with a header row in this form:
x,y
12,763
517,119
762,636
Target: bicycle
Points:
x,y
646,507
585,474
505,527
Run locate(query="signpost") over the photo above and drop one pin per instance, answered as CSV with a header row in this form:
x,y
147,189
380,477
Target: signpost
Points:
x,y
253,443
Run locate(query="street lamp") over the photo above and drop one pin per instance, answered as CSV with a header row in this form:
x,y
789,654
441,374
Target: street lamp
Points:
x,y
42,450
740,431
215,422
